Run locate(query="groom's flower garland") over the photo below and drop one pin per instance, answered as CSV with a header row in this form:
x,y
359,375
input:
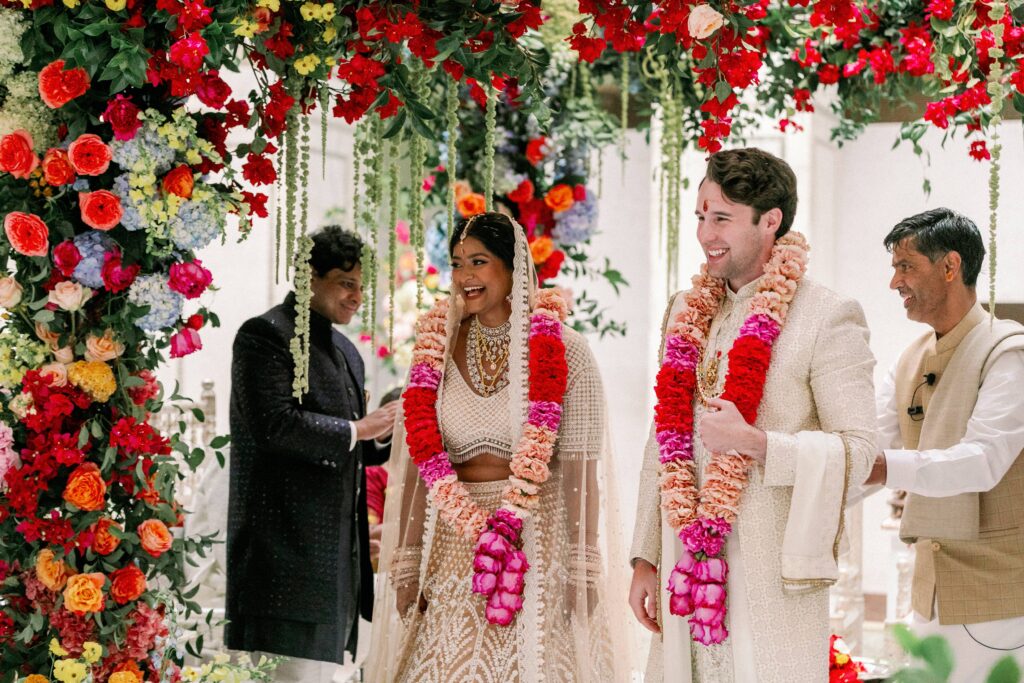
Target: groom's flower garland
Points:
x,y
499,563
703,519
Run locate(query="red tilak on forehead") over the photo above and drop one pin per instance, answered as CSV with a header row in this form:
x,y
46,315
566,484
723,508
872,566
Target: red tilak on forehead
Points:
x,y
705,209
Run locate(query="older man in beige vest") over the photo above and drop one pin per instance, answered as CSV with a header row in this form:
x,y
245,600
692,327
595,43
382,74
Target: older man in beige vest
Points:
x,y
951,421
812,437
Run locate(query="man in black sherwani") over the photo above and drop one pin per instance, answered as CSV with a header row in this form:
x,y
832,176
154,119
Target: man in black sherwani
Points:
x,y
299,571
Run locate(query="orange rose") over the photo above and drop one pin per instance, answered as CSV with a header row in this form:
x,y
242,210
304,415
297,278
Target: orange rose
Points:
x,y
103,348
52,573
129,667
124,677
179,182
86,489
57,168
89,155
16,155
559,197
155,537
541,249
104,542
58,86
36,678
470,204
127,584
84,593
462,188
27,233
100,209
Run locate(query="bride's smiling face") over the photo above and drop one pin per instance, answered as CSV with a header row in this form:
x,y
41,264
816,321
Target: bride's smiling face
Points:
x,y
482,278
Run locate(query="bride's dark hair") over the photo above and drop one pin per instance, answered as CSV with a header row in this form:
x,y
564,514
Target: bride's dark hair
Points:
x,y
494,230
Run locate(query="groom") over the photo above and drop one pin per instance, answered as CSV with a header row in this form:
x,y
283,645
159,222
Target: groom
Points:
x,y
802,445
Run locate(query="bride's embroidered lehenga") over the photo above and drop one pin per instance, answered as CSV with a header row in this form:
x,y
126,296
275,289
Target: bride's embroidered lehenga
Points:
x,y
575,588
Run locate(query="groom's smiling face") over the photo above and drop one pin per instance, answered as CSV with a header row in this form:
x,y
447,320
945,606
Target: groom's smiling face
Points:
x,y
735,245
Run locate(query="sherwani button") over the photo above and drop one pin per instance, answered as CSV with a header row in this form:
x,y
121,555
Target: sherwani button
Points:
x,y
936,547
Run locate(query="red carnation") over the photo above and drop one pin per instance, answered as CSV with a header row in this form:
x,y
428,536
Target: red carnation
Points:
x,y
57,87
123,116
101,209
16,155
89,155
57,168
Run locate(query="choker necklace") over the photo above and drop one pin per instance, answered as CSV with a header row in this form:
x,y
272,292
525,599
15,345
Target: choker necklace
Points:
x,y
487,356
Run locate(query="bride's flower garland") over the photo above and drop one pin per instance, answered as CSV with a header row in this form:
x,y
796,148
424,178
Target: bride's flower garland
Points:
x,y
703,519
499,563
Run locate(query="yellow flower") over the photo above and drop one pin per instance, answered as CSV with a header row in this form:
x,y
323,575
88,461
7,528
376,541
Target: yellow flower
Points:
x,y
71,4
69,671
842,659
272,5
306,65
246,28
327,12
94,378
330,33
56,649
91,652
309,11
115,5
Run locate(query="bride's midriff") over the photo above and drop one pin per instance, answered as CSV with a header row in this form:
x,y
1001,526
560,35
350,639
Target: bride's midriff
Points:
x,y
484,467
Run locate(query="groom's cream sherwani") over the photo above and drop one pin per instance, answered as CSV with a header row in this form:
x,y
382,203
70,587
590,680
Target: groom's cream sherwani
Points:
x,y
818,412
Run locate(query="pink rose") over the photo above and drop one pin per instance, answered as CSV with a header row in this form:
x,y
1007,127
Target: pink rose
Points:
x,y
510,601
189,279
679,582
484,583
711,616
123,117
69,296
680,605
493,544
511,582
710,595
711,570
486,563
516,562
184,342
64,355
55,373
686,562
66,257
703,21
498,615
10,292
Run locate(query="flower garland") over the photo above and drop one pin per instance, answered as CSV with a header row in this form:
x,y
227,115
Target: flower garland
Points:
x,y
703,518
499,562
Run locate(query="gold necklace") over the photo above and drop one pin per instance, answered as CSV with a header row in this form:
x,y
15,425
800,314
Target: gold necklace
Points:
x,y
489,347
707,379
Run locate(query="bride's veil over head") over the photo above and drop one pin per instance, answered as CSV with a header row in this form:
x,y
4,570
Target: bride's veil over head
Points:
x,y
574,541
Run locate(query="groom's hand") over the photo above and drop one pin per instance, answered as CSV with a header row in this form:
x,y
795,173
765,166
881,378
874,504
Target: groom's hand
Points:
x,y
643,595
723,429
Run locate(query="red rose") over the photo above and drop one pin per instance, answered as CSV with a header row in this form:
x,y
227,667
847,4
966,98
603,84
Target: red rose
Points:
x,y
89,155
101,209
188,52
523,192
212,90
27,233
195,322
117,277
127,584
16,155
189,279
535,152
123,117
57,87
259,170
57,168
184,342
66,257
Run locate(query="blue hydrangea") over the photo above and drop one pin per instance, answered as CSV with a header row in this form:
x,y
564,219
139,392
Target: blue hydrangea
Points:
x,y
164,304
80,185
436,244
92,246
578,222
130,219
147,144
197,224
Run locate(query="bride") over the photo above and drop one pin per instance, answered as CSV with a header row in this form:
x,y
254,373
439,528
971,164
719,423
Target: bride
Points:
x,y
495,558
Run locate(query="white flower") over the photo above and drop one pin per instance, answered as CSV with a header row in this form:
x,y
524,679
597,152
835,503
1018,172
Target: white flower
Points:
x,y
704,21
10,292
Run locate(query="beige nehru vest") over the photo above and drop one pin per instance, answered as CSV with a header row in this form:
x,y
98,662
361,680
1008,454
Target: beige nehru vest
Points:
x,y
970,547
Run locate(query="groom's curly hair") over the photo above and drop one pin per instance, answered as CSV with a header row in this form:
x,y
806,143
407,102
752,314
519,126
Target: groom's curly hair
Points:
x,y
335,247
753,177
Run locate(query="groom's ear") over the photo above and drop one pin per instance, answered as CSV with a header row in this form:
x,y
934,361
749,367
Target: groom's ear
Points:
x,y
771,220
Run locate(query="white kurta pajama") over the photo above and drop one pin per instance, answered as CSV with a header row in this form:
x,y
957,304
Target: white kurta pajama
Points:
x,y
818,395
993,441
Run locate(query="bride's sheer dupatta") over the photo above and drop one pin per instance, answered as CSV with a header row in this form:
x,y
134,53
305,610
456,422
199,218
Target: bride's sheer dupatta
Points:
x,y
574,621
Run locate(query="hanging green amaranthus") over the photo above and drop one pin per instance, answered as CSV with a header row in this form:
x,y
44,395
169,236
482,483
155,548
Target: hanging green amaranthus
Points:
x,y
392,240
325,101
451,112
490,118
304,154
995,89
417,227
291,171
278,189
623,110
299,344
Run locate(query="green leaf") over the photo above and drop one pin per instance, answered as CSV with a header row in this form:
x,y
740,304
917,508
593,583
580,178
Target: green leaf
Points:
x,y
938,655
907,640
220,441
1006,670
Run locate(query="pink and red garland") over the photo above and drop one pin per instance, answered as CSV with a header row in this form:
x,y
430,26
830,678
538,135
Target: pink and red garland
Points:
x,y
499,562
702,519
